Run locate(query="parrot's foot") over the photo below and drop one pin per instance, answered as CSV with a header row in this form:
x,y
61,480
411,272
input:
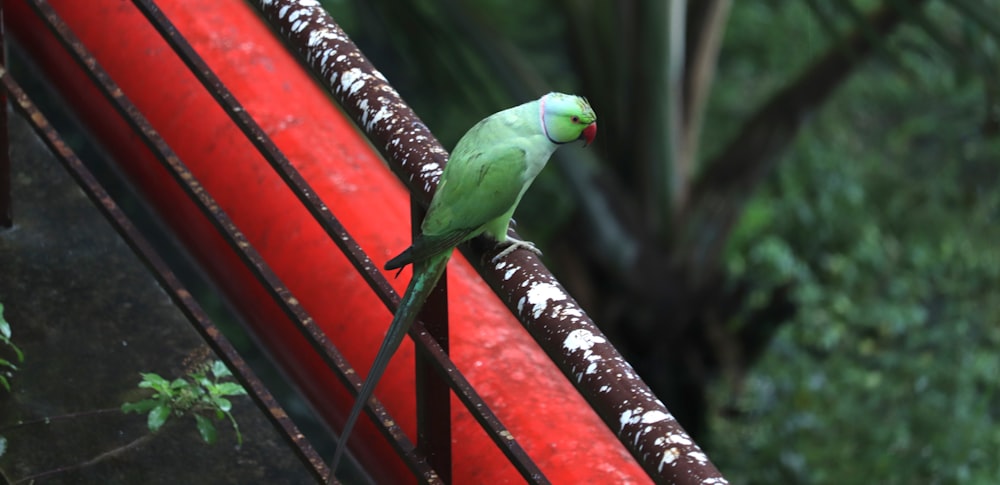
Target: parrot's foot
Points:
x,y
512,245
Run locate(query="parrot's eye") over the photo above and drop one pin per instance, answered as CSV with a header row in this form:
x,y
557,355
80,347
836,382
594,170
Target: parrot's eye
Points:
x,y
575,119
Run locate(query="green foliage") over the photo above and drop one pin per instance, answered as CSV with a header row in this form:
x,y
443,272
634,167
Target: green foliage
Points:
x,y
7,367
203,395
883,219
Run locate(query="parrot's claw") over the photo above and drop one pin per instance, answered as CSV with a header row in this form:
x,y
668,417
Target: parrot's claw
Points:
x,y
512,245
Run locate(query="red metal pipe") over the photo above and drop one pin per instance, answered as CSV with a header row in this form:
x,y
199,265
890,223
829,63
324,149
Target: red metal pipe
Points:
x,y
553,423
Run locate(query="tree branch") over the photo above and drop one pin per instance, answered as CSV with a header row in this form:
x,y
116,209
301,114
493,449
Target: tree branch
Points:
x,y
703,56
721,192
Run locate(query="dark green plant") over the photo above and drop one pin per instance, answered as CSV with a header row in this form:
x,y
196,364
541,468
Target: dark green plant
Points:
x,y
7,367
203,395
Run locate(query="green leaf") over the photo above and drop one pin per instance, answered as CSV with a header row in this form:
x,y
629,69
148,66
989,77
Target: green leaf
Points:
x,y
20,354
179,383
3,442
206,429
202,381
229,389
157,417
4,383
219,370
154,381
4,325
140,407
222,403
7,363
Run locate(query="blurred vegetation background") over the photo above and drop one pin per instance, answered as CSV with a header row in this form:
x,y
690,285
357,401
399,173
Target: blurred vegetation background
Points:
x,y
788,223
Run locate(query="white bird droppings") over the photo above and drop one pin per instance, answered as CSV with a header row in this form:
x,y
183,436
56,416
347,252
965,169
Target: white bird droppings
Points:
x,y
352,80
541,294
510,272
582,339
656,416
669,456
699,457
628,417
299,25
383,113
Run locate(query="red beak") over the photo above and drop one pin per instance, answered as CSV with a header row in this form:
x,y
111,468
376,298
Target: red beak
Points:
x,y
589,133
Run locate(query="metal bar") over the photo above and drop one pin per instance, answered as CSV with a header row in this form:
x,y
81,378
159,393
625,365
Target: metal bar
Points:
x,y
554,319
433,396
6,212
228,230
166,278
426,343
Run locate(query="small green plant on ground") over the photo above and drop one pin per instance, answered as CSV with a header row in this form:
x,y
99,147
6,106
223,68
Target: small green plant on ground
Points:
x,y
7,367
203,395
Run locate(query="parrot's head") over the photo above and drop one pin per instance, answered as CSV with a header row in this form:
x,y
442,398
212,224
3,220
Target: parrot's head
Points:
x,y
567,118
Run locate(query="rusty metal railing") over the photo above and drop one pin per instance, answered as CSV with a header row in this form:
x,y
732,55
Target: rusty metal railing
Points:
x,y
543,306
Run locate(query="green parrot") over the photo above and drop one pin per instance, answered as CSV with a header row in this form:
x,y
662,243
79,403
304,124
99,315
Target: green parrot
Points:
x,y
488,172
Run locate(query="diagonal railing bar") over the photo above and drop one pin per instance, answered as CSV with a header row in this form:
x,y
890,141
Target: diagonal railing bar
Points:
x,y
229,231
429,346
553,318
163,274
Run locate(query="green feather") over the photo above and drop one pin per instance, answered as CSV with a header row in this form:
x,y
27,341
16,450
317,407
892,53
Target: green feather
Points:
x,y
426,275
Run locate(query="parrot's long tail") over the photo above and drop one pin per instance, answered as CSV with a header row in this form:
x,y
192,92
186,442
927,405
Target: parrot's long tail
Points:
x,y
425,277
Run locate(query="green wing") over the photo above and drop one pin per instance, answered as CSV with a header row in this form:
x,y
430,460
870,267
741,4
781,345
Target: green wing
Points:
x,y
475,189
